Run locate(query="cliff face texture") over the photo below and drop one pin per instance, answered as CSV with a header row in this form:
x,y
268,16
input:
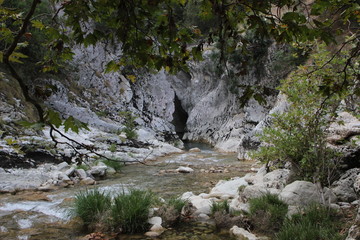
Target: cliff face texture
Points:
x,y
209,104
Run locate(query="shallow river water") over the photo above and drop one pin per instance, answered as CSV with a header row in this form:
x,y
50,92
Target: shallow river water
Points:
x,y
32,215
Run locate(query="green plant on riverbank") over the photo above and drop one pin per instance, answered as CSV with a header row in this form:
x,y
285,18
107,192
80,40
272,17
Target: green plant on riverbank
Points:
x,y
268,213
316,222
125,213
314,93
130,124
92,207
116,165
222,207
130,211
170,212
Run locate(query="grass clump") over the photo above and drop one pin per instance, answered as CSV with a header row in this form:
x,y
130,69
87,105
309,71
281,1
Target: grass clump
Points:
x,y
170,212
268,213
130,211
222,207
116,165
91,206
316,222
176,203
83,167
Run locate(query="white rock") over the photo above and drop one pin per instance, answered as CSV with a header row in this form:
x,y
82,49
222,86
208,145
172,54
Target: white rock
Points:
x,y
152,234
300,193
98,171
64,177
194,150
242,234
203,217
229,188
257,190
201,205
157,228
110,170
277,178
63,166
236,205
155,220
184,170
187,195
87,181
70,171
204,195
81,173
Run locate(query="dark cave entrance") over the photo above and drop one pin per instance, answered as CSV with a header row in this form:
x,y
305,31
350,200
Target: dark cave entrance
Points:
x,y
180,117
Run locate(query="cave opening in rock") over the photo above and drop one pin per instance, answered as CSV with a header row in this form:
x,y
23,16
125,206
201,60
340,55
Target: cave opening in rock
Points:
x,y
180,117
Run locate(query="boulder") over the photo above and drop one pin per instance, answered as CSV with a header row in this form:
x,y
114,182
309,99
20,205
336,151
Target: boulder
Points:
x,y
185,170
87,181
155,220
157,228
63,166
300,193
152,234
345,188
70,171
98,171
194,150
229,188
81,173
236,205
257,190
202,205
242,234
277,178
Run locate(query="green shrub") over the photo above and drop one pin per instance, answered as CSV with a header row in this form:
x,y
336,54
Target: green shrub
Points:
x,y
316,222
130,211
268,212
222,207
116,165
91,206
130,124
112,147
314,93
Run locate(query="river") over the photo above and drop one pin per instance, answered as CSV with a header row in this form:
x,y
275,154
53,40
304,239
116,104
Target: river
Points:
x,y
37,215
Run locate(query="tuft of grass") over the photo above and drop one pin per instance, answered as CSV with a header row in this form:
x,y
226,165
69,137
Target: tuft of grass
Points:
x,y
117,166
91,206
176,203
316,222
83,166
222,207
130,211
268,212
170,212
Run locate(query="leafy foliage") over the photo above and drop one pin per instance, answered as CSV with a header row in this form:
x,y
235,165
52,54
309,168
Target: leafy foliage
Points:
x,y
130,124
299,135
316,222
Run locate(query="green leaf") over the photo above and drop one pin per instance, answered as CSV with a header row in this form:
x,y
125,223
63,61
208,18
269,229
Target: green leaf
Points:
x,y
37,24
74,124
16,56
260,99
54,118
112,66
